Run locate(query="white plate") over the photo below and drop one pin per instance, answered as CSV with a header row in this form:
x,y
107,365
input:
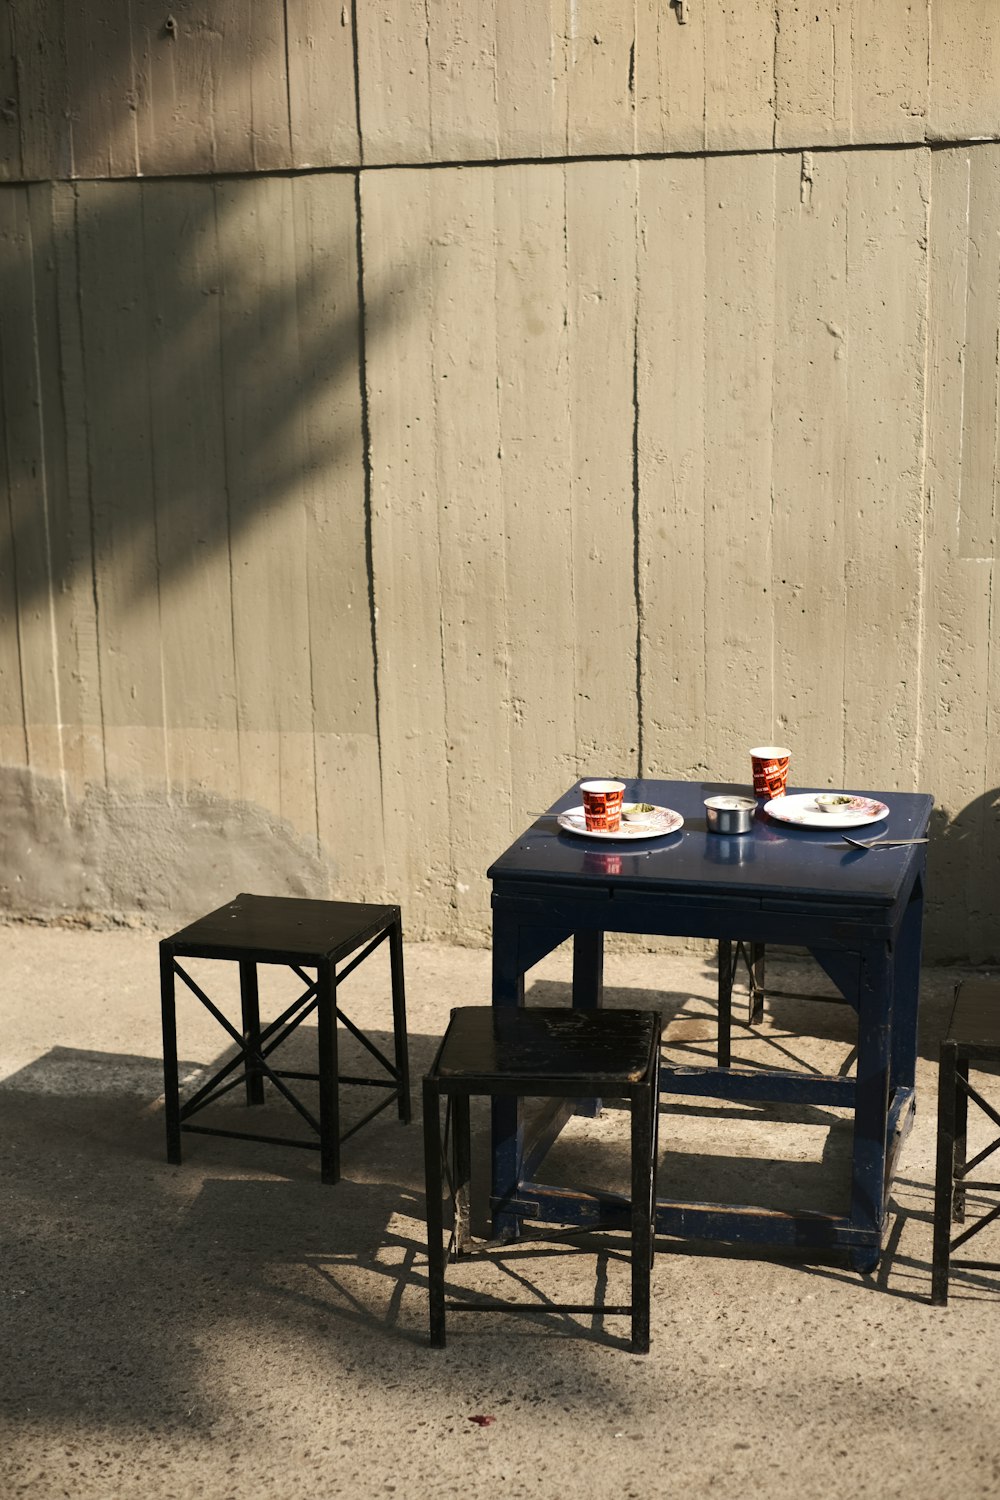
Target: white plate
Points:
x,y
800,808
655,825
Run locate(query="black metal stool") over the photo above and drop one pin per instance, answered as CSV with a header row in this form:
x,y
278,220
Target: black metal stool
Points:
x,y
542,1053
303,935
972,1037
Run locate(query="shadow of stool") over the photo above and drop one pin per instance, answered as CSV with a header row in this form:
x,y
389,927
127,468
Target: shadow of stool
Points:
x,y
300,934
540,1053
972,1039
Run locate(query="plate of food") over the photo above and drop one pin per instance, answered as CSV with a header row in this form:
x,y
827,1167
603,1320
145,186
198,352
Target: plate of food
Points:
x,y
640,820
826,809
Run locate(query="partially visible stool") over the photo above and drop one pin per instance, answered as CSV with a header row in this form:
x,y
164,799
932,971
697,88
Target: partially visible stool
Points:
x,y
541,1053
303,935
972,1037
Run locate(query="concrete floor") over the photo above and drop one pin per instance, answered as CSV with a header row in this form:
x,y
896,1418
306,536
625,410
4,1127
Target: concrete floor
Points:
x,y
232,1328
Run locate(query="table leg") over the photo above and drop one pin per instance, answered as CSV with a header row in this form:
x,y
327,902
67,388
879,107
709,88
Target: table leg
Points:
x,y
507,1113
727,971
871,1106
399,1020
758,958
906,997
588,992
643,1210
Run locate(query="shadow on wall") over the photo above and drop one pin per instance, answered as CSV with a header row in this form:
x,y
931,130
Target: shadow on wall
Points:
x,y
185,584
962,921
178,358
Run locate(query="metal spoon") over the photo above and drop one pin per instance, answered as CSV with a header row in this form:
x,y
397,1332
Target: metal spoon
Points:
x,y
881,843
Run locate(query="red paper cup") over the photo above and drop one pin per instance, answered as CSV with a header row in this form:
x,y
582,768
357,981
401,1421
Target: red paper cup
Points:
x,y
602,805
770,770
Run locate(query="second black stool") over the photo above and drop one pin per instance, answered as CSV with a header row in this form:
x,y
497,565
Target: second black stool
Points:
x,y
541,1053
303,935
972,1039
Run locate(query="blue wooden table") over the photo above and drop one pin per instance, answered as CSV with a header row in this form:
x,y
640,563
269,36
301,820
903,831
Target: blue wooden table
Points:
x,y
859,914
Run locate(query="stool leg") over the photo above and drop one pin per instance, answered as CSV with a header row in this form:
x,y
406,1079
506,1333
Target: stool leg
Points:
x,y
961,1138
435,1220
171,1089
656,1156
756,1007
462,1170
399,1020
588,993
944,1178
250,1004
724,1052
329,1067
643,1178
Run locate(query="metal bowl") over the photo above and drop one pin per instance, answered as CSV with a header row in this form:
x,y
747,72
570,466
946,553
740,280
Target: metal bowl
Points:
x,y
730,814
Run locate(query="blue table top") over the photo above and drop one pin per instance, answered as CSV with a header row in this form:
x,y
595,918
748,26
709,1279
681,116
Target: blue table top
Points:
x,y
775,860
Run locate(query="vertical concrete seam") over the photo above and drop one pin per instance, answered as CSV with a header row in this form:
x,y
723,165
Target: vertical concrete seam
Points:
x,y
771,512
366,451
15,54
502,493
572,467
930,68
447,700
366,467
168,779
636,512
633,108
356,65
307,591
850,74
133,76
774,76
918,745
845,461
46,516
705,586
237,706
496,93
996,423
288,84
95,593
13,553
430,91
960,516
704,85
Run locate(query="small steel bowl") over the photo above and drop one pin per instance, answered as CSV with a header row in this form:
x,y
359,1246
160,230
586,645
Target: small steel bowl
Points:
x,y
730,814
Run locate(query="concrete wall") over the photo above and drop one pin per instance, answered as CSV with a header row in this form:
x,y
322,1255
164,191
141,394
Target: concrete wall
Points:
x,y
407,409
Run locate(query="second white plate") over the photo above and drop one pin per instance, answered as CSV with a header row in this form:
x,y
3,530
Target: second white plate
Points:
x,y
800,808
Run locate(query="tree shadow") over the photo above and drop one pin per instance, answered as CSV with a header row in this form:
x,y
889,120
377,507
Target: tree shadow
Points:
x,y
179,361
139,1296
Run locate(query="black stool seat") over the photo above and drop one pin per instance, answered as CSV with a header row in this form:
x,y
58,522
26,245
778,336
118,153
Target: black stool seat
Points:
x,y
283,929
301,934
541,1053
972,1039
